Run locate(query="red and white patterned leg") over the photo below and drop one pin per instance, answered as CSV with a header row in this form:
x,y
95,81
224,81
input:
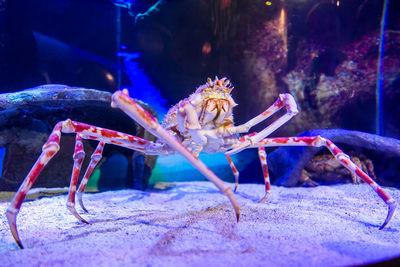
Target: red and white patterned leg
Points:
x,y
49,149
122,100
52,146
263,160
79,156
318,141
284,100
346,162
94,159
113,137
234,171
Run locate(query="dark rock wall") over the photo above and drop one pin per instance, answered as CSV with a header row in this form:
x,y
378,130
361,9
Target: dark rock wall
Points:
x,y
27,118
324,53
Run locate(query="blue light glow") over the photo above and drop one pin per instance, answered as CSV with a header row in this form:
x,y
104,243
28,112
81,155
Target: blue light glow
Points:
x,y
176,168
141,87
379,78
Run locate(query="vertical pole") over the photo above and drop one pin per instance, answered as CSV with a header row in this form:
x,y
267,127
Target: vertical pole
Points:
x,y
379,76
118,45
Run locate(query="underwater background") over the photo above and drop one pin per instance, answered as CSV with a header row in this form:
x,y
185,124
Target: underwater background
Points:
x,y
339,58
61,59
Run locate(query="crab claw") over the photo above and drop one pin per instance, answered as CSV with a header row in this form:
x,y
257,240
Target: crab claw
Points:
x,y
265,198
12,217
228,192
71,208
391,208
236,186
79,196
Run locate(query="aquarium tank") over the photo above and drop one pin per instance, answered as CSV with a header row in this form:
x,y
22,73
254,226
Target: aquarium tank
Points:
x,y
333,56
192,67
339,59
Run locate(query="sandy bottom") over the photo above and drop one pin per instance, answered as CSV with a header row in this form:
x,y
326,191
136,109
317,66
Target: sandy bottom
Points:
x,y
192,224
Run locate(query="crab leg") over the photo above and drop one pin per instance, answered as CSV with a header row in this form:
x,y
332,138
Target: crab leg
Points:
x,y
263,160
284,100
49,149
135,111
79,156
318,141
95,158
234,171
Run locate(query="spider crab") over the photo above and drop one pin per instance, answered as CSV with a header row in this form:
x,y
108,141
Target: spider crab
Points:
x,y
203,122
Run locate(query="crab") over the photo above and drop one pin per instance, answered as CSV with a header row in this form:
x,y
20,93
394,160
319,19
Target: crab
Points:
x,y
327,167
203,122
